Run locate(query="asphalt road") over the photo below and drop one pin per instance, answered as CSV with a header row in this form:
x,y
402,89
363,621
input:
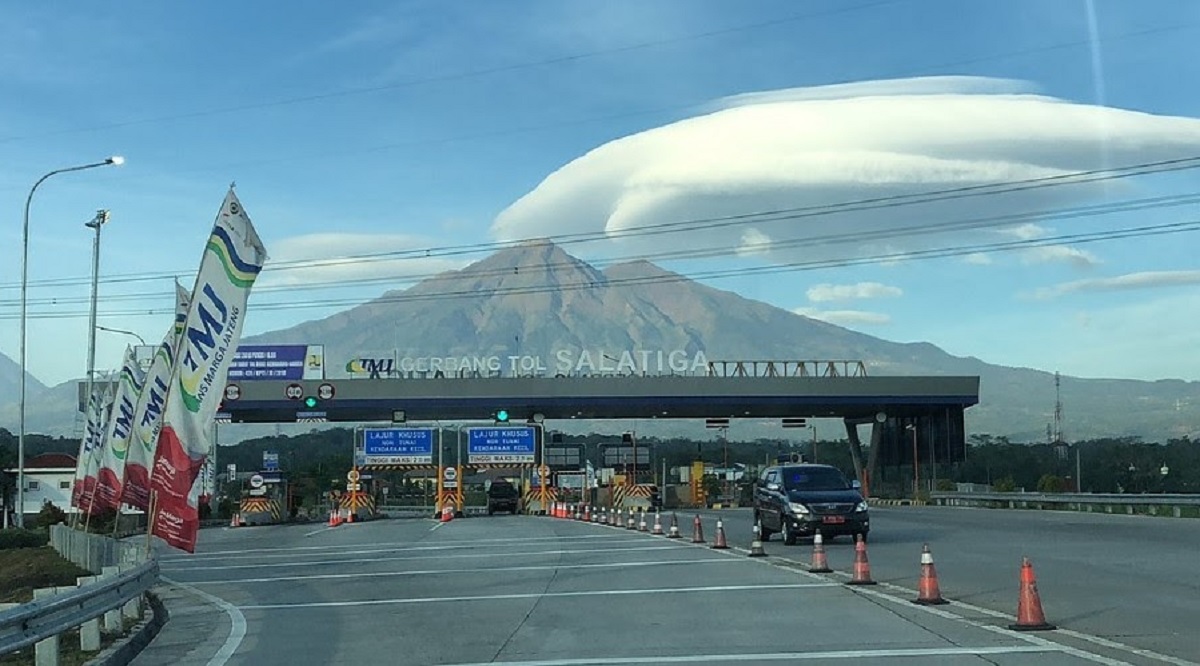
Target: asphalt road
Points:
x,y
1131,579
528,590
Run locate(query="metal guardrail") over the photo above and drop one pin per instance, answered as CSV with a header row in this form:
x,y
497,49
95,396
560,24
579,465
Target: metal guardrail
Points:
x,y
38,620
1103,502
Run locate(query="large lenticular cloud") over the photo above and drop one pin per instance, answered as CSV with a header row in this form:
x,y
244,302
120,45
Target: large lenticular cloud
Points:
x,y
809,147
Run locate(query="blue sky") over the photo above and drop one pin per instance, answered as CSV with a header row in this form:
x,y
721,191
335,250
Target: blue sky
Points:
x,y
387,126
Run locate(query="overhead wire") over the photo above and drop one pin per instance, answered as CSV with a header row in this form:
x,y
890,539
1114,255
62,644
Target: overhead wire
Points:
x,y
889,233
668,277
1082,177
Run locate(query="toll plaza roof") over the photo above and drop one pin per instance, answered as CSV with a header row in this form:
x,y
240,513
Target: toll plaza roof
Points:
x,y
597,397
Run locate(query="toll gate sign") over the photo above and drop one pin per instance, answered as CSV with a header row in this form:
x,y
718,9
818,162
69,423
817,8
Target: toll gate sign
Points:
x,y
496,446
398,446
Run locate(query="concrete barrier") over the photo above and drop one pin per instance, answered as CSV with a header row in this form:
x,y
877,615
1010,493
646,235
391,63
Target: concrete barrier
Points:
x,y
1167,505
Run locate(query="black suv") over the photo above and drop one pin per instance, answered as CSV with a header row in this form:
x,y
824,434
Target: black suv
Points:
x,y
502,496
799,500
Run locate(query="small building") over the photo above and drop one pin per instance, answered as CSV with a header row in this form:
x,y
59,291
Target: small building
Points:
x,y
48,477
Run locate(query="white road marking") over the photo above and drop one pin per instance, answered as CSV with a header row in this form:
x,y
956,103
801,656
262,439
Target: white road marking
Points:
x,y
902,653
1103,642
237,622
439,556
259,553
436,526
537,595
428,572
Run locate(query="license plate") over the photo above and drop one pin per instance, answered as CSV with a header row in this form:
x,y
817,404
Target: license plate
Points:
x,y
833,520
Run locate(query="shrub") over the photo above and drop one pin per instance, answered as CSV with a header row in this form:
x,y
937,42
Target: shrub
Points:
x,y
1005,485
17,538
50,515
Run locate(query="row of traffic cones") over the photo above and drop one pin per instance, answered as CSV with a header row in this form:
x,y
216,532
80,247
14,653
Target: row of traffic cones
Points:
x,y
1030,616
339,516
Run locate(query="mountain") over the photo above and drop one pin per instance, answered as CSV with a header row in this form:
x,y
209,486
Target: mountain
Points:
x,y
535,298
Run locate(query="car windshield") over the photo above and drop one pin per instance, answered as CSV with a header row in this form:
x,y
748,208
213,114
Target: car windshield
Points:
x,y
814,479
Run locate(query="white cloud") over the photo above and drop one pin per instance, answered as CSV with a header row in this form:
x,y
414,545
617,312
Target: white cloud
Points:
x,y
334,257
1127,282
793,149
978,258
1060,253
754,242
845,317
844,292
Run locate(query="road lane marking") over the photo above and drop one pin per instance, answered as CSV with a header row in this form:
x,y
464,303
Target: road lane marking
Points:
x,y
899,653
537,595
246,553
363,560
427,572
237,623
436,526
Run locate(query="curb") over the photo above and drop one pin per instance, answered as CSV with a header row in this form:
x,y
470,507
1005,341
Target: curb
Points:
x,y
125,649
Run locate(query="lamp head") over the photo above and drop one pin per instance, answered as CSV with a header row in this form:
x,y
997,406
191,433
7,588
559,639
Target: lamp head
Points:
x,y
115,160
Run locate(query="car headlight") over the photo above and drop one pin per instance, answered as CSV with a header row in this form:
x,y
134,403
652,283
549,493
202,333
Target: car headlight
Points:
x,y
862,506
798,509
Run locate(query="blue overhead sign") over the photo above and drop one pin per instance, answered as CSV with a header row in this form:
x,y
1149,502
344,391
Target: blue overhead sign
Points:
x,y
491,446
277,362
398,446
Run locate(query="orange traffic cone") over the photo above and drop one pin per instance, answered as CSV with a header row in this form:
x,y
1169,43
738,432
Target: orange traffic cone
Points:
x,y
1029,606
819,562
631,523
349,515
756,546
697,530
674,533
447,514
657,529
862,568
333,518
719,543
641,521
233,520
928,592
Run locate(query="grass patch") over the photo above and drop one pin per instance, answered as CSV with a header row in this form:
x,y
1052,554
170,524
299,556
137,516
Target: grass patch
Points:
x,y
24,569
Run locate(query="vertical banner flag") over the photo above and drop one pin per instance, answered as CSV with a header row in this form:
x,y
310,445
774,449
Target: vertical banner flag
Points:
x,y
232,260
87,496
148,411
111,473
85,446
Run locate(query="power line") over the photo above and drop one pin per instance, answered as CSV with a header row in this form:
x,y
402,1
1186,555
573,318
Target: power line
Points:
x,y
696,224
798,266
987,222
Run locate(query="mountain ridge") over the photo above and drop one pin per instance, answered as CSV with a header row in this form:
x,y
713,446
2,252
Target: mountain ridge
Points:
x,y
534,298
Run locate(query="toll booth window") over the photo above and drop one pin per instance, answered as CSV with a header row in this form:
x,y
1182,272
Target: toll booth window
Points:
x,y
822,479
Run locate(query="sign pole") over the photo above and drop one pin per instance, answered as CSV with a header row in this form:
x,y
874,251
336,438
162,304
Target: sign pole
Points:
x,y
440,491
458,493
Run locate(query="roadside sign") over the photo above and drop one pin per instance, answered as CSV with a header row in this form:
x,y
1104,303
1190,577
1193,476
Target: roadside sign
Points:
x,y
232,392
492,446
277,362
326,391
293,392
231,471
257,481
449,478
398,446
353,476
270,461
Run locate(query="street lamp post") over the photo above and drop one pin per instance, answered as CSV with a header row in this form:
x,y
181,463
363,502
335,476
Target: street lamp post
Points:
x,y
111,161
916,462
97,223
140,339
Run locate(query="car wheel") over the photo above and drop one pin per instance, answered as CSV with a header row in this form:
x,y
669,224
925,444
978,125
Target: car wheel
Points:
x,y
789,536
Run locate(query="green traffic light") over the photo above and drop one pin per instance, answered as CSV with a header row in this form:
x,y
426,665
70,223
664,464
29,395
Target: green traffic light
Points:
x,y
310,402
502,415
